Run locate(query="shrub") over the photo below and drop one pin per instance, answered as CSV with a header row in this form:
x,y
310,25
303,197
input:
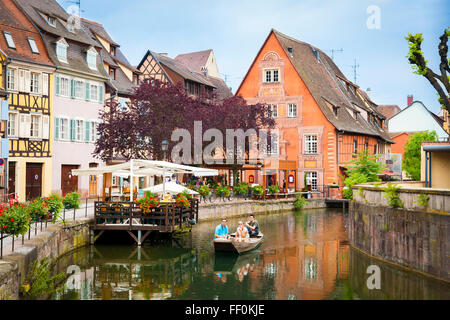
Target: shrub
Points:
x,y
241,188
72,200
355,178
149,194
223,191
274,189
204,191
182,201
147,203
38,210
299,202
187,195
258,190
39,281
15,219
392,196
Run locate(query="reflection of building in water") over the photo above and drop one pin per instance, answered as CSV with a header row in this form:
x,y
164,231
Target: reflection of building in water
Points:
x,y
309,269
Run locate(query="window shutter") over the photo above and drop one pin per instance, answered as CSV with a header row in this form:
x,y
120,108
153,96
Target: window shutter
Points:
x,y
87,131
27,81
72,129
58,80
88,91
45,84
72,88
56,128
40,86
45,127
21,80
25,125
100,91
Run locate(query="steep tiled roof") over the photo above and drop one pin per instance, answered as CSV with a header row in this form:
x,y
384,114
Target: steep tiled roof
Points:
x,y
222,90
325,82
389,110
194,60
14,21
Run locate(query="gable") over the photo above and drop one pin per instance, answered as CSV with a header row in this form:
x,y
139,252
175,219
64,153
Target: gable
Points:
x,y
150,68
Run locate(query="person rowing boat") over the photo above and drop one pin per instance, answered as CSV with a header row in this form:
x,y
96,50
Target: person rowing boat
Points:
x,y
222,230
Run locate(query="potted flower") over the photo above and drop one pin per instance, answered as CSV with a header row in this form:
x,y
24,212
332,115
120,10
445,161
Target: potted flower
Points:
x,y
182,201
147,203
38,210
274,189
258,190
15,219
71,200
241,189
204,191
54,204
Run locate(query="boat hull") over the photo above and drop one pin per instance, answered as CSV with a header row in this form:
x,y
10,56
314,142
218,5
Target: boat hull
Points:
x,y
233,246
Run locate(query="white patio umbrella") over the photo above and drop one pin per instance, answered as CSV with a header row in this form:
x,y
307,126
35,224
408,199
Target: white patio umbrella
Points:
x,y
170,187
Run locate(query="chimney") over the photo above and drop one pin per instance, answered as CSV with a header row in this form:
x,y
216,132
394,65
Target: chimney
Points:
x,y
410,100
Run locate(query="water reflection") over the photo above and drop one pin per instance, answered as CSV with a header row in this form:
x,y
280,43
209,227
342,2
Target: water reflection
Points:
x,y
305,255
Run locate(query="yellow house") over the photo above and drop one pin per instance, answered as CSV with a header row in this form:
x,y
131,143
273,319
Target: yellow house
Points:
x,y
28,71
434,164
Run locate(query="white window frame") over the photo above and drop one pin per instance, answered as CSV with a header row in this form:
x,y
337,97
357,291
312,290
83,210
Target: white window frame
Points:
x,y
9,40
312,180
39,123
79,94
33,45
16,125
79,135
91,59
311,143
270,150
64,135
272,108
291,108
92,98
61,92
94,132
35,88
12,79
269,75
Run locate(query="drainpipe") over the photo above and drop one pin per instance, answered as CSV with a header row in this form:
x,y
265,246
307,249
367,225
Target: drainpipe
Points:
x,y
429,168
6,175
426,169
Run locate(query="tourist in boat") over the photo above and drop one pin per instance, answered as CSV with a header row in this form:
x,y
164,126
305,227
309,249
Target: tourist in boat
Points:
x,y
221,230
252,226
242,232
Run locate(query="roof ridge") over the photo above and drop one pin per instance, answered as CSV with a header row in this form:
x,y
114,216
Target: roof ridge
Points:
x,y
92,21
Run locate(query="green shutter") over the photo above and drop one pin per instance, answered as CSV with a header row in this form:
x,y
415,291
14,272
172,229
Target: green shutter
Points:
x,y
87,135
56,128
100,89
58,79
88,91
72,129
72,88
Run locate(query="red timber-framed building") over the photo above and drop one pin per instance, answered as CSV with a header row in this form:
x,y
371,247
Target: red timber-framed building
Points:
x,y
322,118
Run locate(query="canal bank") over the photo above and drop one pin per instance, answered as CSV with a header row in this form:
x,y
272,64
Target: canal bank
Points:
x,y
412,237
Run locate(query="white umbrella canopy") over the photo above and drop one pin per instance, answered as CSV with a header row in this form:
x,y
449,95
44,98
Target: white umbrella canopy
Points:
x,y
170,187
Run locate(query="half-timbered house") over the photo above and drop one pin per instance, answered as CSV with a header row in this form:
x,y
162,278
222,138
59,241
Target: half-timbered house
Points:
x,y
28,70
78,90
322,118
4,142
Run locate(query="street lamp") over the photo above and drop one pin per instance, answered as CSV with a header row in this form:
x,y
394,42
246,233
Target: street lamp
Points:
x,y
165,147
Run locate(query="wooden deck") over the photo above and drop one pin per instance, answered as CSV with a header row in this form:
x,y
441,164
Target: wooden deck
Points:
x,y
127,216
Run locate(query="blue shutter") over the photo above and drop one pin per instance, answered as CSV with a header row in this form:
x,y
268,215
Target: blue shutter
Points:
x,y
5,110
88,91
5,148
72,88
72,129
56,128
87,132
58,79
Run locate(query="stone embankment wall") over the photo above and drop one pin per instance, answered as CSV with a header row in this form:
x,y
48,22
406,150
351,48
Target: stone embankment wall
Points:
x,y
414,237
54,242
219,210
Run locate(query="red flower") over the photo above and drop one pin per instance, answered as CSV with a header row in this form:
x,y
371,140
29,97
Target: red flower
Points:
x,y
4,227
12,219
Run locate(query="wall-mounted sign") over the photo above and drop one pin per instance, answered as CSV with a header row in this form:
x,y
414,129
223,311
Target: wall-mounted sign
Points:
x,y
291,178
251,179
2,162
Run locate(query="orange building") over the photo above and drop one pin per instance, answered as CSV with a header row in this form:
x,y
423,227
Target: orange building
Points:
x,y
322,118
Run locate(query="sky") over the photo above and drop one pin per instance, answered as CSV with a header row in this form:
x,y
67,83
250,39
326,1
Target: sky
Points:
x,y
236,30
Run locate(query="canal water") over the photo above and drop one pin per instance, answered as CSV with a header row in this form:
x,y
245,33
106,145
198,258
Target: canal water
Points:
x,y
305,255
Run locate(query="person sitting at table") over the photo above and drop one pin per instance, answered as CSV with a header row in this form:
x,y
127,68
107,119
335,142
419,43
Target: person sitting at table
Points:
x,y
242,232
221,231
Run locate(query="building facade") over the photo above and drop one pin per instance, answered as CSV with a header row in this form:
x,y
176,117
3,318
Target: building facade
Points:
x,y
29,74
78,91
322,118
4,141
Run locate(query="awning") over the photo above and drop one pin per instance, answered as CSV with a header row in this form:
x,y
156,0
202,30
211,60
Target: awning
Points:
x,y
170,187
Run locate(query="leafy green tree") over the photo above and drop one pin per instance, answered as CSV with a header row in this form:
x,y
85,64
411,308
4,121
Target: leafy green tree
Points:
x,y
364,168
412,154
417,60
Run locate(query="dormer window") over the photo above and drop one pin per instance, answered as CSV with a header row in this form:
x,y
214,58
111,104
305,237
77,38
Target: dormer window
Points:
x,y
291,51
113,50
61,50
335,110
112,73
91,58
9,39
355,115
33,45
51,21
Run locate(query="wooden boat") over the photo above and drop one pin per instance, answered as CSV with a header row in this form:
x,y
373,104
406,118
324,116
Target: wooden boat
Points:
x,y
234,246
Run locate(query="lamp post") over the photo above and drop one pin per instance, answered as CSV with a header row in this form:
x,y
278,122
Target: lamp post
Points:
x,y
165,148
